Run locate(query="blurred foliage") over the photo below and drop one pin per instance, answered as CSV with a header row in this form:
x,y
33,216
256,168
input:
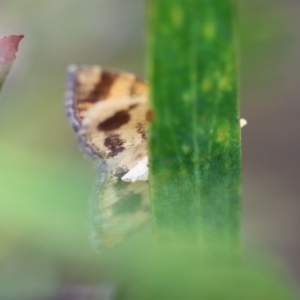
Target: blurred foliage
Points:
x,y
178,271
45,183
265,32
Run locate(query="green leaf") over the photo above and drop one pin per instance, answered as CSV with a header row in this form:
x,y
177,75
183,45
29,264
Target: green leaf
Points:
x,y
194,135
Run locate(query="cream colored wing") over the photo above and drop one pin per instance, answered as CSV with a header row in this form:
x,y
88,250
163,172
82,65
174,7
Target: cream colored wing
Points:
x,y
117,210
107,111
116,131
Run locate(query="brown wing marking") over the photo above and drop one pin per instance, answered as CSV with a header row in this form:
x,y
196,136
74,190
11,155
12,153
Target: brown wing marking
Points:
x,y
88,85
117,131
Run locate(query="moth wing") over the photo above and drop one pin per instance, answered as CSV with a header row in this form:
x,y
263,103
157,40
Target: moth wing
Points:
x,y
117,209
88,85
116,130
109,118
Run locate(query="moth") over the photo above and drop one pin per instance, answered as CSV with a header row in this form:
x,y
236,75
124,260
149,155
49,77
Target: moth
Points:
x,y
108,112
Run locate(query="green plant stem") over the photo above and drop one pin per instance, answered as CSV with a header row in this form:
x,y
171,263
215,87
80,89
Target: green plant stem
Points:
x,y
195,134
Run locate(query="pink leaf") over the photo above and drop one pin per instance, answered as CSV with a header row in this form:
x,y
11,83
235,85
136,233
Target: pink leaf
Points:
x,y
9,47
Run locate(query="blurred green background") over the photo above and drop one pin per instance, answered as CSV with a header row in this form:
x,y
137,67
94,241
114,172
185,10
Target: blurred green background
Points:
x,y
44,181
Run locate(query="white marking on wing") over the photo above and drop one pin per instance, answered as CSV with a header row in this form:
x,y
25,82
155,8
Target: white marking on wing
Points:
x,y
140,172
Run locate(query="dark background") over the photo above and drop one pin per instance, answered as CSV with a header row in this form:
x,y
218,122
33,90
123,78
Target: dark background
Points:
x,y
44,181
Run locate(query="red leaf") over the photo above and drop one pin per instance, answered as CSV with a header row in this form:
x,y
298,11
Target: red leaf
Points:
x,y
8,48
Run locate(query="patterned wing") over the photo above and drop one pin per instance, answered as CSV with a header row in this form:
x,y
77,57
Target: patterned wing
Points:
x,y
108,114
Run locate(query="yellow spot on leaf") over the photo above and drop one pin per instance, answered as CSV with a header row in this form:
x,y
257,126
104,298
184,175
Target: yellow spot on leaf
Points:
x,y
222,134
186,97
206,85
225,84
186,149
209,30
177,17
